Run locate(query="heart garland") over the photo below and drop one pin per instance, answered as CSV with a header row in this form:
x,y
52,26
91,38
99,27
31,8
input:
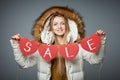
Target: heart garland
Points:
x,y
48,52
91,43
68,51
27,47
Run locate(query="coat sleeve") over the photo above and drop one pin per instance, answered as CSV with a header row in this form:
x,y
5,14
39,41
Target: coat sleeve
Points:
x,y
24,61
94,58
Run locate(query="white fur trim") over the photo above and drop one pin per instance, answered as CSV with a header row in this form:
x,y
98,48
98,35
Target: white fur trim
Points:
x,y
47,36
73,30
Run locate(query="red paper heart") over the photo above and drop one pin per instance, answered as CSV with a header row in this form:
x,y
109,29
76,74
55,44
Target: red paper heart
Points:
x,y
27,47
48,52
69,51
91,44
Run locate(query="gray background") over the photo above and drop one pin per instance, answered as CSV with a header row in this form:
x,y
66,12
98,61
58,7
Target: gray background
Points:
x,y
18,16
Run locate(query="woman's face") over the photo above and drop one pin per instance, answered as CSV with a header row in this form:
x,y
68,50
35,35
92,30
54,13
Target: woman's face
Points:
x,y
58,26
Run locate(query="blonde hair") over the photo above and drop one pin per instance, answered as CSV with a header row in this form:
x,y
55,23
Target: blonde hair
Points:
x,y
60,60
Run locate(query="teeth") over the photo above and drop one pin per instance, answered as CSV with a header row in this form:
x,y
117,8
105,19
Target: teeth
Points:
x,y
59,30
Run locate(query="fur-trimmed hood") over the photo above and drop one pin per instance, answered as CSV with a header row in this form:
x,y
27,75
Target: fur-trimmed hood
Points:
x,y
65,11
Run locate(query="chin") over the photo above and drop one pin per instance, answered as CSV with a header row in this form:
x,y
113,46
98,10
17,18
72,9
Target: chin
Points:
x,y
59,34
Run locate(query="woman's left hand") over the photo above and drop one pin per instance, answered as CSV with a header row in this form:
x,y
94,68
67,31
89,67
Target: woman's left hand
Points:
x,y
101,33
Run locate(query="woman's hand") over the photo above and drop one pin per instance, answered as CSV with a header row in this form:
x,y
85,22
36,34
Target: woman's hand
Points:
x,y
101,33
16,38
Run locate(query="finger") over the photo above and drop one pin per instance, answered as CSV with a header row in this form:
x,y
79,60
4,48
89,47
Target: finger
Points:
x,y
103,32
13,37
16,37
100,32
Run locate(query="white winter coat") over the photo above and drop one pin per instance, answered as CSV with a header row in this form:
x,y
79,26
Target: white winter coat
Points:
x,y
74,68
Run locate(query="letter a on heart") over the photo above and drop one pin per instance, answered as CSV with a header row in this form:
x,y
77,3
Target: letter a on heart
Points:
x,y
48,52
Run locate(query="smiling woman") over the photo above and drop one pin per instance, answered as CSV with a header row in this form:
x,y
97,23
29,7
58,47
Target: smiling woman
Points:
x,y
58,26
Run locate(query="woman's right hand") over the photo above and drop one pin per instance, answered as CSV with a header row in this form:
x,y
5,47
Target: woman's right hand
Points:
x,y
16,38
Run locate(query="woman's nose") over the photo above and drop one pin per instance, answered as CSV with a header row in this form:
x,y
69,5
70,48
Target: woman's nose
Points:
x,y
59,26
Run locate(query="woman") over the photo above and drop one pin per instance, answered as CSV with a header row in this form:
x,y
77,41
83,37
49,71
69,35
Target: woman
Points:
x,y
58,25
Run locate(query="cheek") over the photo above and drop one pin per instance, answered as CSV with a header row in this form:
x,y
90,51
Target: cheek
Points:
x,y
54,28
64,28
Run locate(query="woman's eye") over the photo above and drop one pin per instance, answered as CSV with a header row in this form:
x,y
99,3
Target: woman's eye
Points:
x,y
63,23
55,24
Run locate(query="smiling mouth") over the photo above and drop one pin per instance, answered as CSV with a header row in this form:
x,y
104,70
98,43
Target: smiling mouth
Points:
x,y
59,30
